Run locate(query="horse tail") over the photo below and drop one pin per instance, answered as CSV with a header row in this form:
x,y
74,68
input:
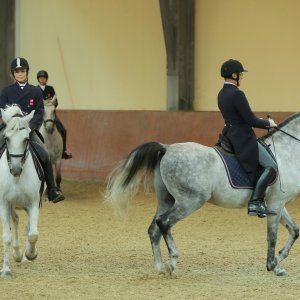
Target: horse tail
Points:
x,y
125,179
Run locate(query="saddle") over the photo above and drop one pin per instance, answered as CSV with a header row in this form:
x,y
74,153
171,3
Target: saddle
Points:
x,y
237,175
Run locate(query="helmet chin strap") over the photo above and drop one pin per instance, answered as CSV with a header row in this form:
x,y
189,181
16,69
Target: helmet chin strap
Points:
x,y
237,79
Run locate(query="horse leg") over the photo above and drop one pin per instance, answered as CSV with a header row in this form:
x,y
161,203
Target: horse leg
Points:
x,y
165,202
17,252
58,172
32,232
287,221
180,210
272,263
6,240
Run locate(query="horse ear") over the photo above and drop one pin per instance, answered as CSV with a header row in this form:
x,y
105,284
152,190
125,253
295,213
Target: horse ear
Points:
x,y
3,116
30,116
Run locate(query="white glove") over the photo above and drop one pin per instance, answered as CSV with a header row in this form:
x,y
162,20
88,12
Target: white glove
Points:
x,y
272,123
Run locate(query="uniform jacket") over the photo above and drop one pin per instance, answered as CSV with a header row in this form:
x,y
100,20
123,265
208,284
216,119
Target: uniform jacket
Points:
x,y
30,98
48,92
239,120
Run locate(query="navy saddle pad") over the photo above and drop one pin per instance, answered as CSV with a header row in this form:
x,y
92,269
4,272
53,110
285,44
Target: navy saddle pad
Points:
x,y
237,176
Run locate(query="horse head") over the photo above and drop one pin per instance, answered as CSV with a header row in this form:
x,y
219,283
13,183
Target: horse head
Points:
x,y
49,114
16,136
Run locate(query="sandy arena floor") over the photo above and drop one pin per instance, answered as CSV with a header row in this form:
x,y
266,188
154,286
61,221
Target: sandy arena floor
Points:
x,y
84,253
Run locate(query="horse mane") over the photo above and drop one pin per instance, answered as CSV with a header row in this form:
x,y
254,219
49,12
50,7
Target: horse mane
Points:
x,y
15,124
13,110
281,125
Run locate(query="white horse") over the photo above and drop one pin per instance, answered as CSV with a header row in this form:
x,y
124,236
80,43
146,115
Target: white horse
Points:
x,y
52,138
188,175
19,186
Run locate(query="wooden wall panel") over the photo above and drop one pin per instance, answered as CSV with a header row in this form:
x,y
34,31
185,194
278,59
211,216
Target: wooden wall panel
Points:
x,y
98,140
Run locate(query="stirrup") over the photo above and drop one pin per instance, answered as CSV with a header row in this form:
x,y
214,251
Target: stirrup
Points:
x,y
259,209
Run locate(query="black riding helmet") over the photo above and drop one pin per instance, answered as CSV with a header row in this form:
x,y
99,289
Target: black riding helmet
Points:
x,y
231,66
19,63
42,73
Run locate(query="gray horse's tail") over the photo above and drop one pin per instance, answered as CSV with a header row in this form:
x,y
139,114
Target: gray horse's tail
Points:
x,y
137,168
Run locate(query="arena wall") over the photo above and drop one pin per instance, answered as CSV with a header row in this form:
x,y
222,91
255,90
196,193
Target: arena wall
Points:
x,y
98,140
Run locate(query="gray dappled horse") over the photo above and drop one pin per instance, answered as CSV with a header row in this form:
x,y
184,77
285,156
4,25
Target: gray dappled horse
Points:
x,y
19,187
52,138
187,175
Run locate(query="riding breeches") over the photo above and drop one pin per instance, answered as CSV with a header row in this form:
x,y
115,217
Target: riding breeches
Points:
x,y
265,159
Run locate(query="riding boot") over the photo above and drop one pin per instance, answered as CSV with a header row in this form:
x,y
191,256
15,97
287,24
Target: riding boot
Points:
x,y
54,194
256,205
63,132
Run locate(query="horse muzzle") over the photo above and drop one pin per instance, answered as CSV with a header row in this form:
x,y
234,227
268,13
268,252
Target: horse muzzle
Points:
x,y
16,171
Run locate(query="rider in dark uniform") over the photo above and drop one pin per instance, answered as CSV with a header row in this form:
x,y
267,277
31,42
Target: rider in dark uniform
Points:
x,y
48,93
29,98
239,120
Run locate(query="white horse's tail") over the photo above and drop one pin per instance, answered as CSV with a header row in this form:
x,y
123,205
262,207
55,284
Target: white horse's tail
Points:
x,y
125,180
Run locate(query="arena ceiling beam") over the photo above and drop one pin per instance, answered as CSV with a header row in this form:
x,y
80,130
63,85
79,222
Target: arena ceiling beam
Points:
x,y
178,20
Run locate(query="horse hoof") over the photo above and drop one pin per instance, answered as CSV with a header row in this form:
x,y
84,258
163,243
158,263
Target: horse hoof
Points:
x,y
31,257
280,272
169,268
5,274
18,258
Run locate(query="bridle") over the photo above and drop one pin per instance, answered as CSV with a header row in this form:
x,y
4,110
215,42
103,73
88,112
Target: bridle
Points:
x,y
22,155
48,120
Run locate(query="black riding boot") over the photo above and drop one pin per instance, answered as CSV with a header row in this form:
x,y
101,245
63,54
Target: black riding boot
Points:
x,y
256,205
54,194
63,132
65,154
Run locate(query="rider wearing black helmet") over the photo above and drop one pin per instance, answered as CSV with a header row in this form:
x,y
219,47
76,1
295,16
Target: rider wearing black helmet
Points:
x,y
29,98
48,93
239,120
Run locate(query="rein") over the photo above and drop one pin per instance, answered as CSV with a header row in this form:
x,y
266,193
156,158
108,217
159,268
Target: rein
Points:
x,y
291,136
288,134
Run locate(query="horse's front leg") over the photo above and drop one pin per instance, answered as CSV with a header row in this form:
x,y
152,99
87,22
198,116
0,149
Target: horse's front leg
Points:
x,y
32,232
272,263
57,168
6,240
17,252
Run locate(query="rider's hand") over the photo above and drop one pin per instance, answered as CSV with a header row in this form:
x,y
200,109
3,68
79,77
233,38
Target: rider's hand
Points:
x,y
272,123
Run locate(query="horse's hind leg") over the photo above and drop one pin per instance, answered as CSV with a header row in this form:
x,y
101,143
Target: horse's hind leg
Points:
x,y
180,210
165,202
32,232
293,229
17,252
